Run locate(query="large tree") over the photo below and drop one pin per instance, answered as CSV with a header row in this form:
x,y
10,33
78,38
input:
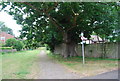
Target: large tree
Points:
x,y
56,23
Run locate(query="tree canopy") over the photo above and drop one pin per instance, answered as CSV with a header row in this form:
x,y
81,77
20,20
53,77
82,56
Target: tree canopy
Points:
x,y
54,23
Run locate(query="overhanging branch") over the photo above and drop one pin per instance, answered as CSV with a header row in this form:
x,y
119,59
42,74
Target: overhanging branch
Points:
x,y
46,13
56,4
74,22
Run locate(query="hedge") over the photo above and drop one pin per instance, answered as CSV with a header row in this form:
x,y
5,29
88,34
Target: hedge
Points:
x,y
6,48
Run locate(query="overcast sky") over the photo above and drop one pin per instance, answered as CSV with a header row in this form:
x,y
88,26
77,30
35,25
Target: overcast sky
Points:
x,y
10,23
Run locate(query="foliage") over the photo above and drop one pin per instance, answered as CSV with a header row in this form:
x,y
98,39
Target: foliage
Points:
x,y
31,44
5,29
49,22
16,44
10,42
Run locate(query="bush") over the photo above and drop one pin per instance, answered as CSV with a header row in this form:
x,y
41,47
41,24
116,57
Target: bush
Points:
x,y
10,42
3,53
16,44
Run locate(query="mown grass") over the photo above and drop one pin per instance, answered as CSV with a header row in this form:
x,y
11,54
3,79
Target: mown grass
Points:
x,y
20,65
92,66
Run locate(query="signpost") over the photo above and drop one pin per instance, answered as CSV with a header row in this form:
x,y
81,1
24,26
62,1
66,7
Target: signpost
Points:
x,y
83,53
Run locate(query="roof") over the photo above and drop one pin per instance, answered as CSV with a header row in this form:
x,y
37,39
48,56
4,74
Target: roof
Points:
x,y
96,38
5,34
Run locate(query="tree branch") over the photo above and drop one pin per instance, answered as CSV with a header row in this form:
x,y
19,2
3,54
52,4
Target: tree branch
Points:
x,y
56,4
51,19
33,7
46,13
74,22
107,4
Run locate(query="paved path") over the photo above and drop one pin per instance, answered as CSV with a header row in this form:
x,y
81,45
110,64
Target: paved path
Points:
x,y
52,70
107,75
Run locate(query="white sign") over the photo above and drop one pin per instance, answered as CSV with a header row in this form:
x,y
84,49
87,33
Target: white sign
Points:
x,y
83,38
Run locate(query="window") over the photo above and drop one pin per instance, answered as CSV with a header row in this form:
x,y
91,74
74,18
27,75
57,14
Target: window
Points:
x,y
2,38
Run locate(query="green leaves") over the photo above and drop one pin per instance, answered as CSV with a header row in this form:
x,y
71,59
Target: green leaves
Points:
x,y
46,22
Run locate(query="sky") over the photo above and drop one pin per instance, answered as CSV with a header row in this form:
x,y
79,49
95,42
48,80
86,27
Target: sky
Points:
x,y
10,23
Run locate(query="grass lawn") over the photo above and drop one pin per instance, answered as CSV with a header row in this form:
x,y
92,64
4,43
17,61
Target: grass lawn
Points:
x,y
20,65
93,66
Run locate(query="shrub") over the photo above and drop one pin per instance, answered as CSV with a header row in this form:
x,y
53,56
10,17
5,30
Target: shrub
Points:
x,y
16,44
10,42
3,53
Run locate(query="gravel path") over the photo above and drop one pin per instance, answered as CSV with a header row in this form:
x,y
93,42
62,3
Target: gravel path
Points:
x,y
52,70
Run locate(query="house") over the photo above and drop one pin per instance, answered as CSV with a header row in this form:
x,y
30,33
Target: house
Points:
x,y
4,36
93,39
96,39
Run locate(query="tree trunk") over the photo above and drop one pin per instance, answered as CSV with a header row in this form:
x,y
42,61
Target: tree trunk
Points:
x,y
68,46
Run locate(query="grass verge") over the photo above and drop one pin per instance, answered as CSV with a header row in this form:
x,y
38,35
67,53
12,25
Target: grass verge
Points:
x,y
20,65
92,66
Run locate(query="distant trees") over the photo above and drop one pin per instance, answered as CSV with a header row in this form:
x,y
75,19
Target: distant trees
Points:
x,y
5,29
